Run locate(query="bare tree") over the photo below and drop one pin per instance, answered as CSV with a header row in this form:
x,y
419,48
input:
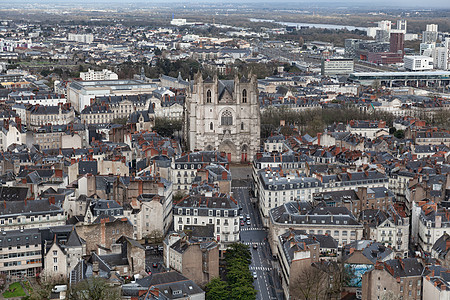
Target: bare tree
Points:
x,y
309,284
95,288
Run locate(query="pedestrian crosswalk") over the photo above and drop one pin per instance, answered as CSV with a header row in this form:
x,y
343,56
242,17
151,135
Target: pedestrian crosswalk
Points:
x,y
240,187
260,268
253,243
251,228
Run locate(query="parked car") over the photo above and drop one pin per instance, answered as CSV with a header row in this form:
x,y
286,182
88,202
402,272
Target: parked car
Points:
x,y
248,222
255,275
154,265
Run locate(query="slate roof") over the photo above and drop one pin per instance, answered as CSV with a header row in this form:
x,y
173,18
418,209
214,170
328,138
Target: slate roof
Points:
x,y
87,167
407,267
14,238
373,251
134,117
440,246
169,282
13,193
31,207
304,213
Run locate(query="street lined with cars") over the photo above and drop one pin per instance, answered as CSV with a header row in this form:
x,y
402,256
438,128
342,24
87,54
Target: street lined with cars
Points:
x,y
253,234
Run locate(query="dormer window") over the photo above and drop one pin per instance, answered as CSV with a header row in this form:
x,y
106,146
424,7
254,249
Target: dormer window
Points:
x,y
208,96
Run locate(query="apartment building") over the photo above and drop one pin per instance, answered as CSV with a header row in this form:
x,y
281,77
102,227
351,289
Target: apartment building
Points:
x,y
20,253
185,168
297,251
336,222
16,215
197,260
219,209
390,227
400,278
39,115
104,74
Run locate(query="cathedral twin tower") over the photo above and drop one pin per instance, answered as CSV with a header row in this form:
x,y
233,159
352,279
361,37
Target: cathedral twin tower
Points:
x,y
223,115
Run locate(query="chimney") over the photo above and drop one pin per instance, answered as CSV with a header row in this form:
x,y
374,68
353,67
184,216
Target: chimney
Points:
x,y
224,175
95,268
447,245
319,135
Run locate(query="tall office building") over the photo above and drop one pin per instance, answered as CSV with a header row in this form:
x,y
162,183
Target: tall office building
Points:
x,y
397,42
429,36
401,26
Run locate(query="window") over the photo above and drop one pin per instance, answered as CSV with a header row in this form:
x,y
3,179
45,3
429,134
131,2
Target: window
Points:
x,y
244,96
55,260
242,126
227,118
55,252
55,268
211,127
208,96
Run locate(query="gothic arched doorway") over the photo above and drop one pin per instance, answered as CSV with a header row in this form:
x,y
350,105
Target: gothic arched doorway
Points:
x,y
244,151
229,149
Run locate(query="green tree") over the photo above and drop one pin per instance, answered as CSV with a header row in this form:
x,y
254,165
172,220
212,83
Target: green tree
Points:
x,y
238,273
167,127
400,134
243,292
217,289
238,250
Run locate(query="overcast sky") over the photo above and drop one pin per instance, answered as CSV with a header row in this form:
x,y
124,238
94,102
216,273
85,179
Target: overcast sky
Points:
x,y
369,4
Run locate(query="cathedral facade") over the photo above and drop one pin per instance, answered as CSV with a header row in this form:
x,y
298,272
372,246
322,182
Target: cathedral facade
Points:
x,y
223,115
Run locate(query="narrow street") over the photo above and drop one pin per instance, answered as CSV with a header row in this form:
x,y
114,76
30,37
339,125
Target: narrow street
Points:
x,y
266,283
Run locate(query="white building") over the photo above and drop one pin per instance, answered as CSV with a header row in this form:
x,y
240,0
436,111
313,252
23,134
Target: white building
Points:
x,y
146,214
391,229
219,210
441,56
178,22
337,222
432,224
418,63
429,36
12,133
81,38
436,285
80,93
105,74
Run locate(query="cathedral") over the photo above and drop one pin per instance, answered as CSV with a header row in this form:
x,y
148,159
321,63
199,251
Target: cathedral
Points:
x,y
223,115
